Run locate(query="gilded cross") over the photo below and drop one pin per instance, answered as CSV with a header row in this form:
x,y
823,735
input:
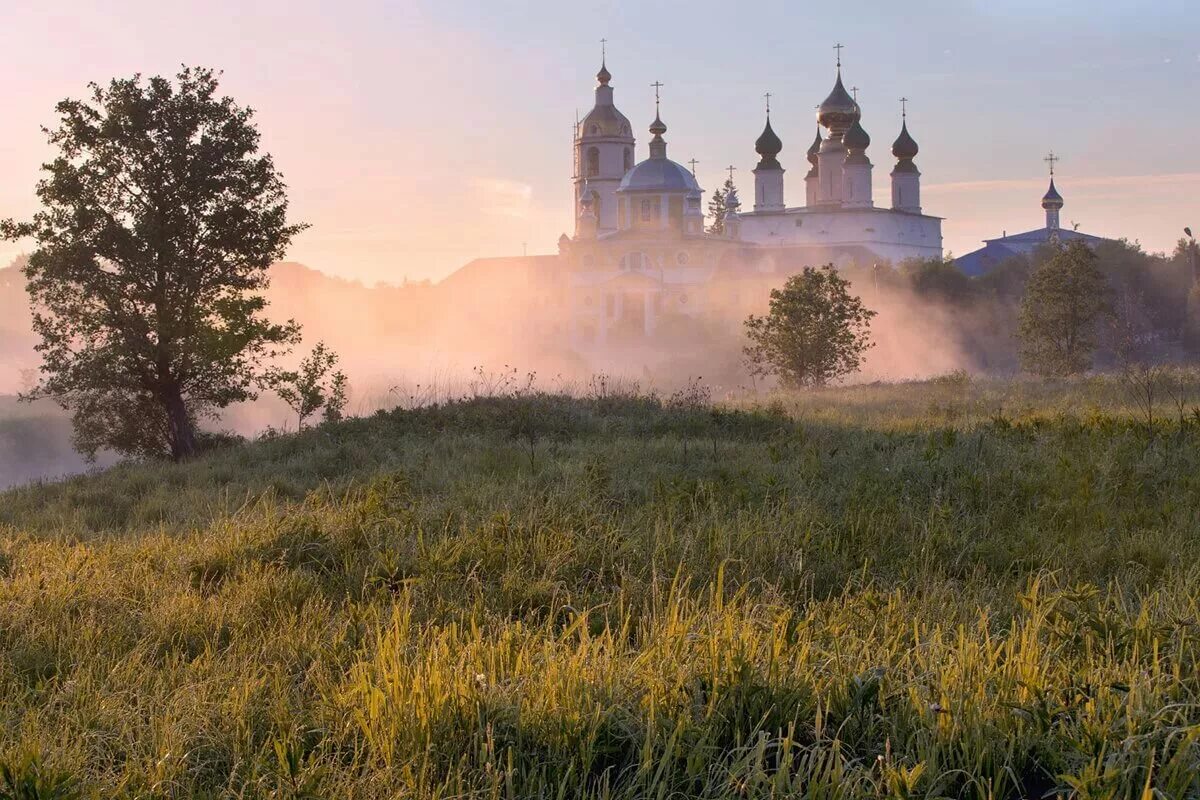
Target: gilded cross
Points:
x,y
657,85
839,47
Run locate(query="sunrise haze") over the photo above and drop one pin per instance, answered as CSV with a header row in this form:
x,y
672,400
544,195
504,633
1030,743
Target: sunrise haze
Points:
x,y
417,136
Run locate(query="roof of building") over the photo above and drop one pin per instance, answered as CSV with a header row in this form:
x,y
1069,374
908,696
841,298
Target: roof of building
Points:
x,y
659,175
608,121
905,147
996,251
768,145
1052,199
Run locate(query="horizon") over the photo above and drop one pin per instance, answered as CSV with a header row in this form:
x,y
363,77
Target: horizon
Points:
x,y
403,177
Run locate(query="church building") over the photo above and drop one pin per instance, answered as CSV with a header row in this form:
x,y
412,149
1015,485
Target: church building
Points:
x,y
640,252
996,251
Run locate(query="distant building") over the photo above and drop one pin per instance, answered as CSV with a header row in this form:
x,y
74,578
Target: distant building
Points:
x,y
996,251
640,252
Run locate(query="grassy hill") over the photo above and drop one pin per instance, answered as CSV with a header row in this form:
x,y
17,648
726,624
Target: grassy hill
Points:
x,y
950,588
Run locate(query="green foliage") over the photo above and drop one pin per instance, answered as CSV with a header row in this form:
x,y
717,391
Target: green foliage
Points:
x,y
958,588
716,211
159,219
314,386
28,779
815,332
1064,301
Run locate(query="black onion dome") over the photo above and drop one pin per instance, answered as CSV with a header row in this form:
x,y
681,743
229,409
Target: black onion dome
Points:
x,y
1052,198
768,144
839,111
856,138
905,147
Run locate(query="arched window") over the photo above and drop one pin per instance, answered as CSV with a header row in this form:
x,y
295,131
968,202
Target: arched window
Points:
x,y
594,130
593,162
628,158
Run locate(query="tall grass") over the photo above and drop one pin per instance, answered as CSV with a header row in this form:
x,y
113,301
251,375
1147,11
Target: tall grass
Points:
x,y
956,589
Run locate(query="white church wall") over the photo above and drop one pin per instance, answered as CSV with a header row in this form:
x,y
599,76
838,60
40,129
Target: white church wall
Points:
x,y
891,235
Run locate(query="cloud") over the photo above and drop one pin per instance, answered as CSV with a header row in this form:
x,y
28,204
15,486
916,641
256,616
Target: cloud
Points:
x,y
503,197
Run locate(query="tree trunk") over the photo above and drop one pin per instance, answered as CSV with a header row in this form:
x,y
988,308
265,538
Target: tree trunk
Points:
x,y
180,432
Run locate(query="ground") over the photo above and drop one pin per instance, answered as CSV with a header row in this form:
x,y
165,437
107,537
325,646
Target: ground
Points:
x,y
952,588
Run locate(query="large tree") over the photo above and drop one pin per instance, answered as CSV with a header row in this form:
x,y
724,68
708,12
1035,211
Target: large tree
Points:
x,y
816,331
1065,298
159,220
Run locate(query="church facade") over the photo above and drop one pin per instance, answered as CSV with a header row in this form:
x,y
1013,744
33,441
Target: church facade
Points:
x,y
640,254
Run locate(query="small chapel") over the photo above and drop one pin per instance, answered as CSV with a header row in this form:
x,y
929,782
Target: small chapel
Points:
x,y
640,252
1003,248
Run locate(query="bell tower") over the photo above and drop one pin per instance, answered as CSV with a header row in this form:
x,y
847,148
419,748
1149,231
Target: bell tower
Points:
x,y
603,152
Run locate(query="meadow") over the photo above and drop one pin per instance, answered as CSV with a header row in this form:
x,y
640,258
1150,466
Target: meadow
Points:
x,y
955,588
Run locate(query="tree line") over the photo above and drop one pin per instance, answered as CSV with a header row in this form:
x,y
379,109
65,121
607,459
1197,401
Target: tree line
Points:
x,y
160,217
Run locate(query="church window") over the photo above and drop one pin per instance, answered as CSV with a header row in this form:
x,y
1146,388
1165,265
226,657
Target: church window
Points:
x,y
681,259
650,210
634,261
683,299
593,162
628,159
595,129
799,222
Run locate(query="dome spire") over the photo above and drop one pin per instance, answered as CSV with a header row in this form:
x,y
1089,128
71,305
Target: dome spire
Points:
x,y
604,76
658,146
839,110
768,144
905,147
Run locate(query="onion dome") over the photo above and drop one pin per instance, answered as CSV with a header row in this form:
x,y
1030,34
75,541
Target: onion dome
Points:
x,y
905,150
839,111
813,152
1052,200
856,138
905,147
658,127
604,76
857,141
768,146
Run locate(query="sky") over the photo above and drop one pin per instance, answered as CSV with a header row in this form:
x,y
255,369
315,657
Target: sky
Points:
x,y
415,136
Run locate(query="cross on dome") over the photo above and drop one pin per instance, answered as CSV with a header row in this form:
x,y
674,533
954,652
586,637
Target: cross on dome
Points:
x,y
1051,160
604,76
